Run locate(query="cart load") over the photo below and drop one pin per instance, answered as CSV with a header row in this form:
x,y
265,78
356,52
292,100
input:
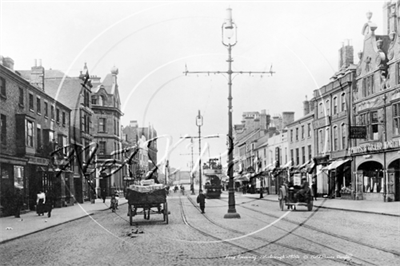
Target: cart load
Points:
x,y
147,196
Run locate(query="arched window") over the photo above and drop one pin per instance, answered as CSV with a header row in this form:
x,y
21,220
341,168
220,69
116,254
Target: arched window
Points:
x,y
344,137
335,105
343,101
101,100
320,141
328,139
320,110
328,107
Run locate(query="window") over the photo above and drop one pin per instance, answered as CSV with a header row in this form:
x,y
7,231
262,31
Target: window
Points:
x,y
115,127
297,133
52,112
398,72
343,101
368,86
396,118
335,138
335,105
327,108
302,132
65,144
344,135
31,102
38,107
374,125
291,135
60,143
309,130
102,125
320,141
29,134
46,109
320,110
101,100
58,116
297,156
2,87
94,100
63,118
328,139
21,96
39,137
303,151
309,152
3,130
291,155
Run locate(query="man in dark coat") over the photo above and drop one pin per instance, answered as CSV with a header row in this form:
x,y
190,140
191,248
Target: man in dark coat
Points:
x,y
49,202
201,199
103,194
18,203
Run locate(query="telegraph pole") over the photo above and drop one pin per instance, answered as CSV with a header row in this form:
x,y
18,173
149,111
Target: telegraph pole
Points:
x,y
229,34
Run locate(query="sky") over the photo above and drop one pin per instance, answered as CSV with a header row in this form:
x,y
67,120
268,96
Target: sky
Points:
x,y
152,43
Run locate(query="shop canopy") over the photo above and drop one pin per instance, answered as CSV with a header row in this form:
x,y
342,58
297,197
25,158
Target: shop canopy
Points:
x,y
335,164
245,177
289,164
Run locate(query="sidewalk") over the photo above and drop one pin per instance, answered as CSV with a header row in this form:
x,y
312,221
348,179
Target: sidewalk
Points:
x,y
364,206
30,222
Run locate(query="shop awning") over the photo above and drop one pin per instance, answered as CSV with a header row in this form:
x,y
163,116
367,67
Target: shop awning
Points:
x,y
305,164
335,164
288,164
245,177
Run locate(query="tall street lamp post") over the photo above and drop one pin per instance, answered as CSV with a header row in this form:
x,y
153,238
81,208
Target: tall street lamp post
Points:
x,y
229,40
199,123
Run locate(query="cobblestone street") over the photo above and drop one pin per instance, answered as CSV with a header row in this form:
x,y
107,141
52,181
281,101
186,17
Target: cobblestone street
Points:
x,y
263,235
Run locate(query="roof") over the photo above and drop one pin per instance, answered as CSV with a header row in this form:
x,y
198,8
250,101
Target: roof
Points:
x,y
66,91
108,84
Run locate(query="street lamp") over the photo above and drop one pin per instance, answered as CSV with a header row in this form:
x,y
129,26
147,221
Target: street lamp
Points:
x,y
199,123
229,40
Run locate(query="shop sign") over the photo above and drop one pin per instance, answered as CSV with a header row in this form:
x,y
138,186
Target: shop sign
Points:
x,y
38,161
358,132
378,101
323,122
379,146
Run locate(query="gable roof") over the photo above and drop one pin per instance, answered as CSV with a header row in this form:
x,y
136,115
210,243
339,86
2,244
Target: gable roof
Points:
x,y
66,91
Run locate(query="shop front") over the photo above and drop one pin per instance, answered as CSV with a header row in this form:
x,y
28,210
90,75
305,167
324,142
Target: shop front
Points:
x,y
12,178
339,178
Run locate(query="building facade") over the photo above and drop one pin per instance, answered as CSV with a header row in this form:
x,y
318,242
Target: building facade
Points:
x,y
376,102
34,131
106,106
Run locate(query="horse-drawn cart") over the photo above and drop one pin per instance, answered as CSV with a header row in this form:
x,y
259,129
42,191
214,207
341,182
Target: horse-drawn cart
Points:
x,y
296,194
146,200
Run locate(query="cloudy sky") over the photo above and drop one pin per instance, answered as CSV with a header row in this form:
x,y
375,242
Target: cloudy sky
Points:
x,y
152,42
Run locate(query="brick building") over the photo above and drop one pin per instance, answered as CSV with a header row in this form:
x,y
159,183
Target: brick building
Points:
x,y
33,126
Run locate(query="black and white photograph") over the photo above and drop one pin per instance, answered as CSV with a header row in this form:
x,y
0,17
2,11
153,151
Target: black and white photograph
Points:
x,y
199,132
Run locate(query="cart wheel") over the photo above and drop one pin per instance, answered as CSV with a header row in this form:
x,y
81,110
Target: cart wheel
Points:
x,y
165,212
310,205
130,214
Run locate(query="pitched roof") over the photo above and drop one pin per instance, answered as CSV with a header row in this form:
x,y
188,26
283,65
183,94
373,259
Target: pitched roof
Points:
x,y
109,84
66,91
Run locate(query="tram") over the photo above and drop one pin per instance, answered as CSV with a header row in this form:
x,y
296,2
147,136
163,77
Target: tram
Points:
x,y
213,173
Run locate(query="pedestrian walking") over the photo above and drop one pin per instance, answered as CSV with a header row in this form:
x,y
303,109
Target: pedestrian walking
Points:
x,y
314,189
49,202
103,194
40,201
201,199
18,203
